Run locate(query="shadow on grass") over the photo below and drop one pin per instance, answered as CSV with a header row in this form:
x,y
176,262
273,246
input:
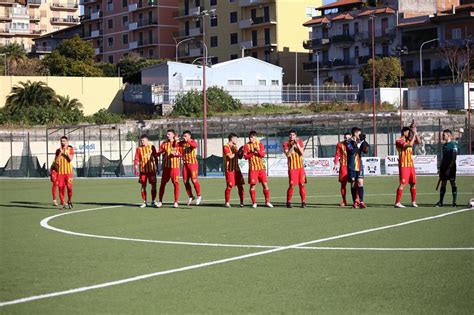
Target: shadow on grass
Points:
x,y
106,204
28,205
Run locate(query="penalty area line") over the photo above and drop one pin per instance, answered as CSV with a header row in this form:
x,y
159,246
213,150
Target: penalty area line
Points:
x,y
220,261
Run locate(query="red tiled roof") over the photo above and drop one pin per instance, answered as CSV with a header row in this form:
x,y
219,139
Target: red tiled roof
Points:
x,y
463,7
385,10
343,16
414,22
317,20
339,3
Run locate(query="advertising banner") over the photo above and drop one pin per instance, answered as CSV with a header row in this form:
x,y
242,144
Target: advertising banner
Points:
x,y
318,166
424,164
465,164
371,166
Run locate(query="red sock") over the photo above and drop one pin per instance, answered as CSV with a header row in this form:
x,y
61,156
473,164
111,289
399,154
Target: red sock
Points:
x,y
343,191
413,194
143,195
189,191
176,191
303,193
399,195
227,194
253,196
241,193
289,194
162,191
153,194
69,194
266,193
54,191
197,186
62,191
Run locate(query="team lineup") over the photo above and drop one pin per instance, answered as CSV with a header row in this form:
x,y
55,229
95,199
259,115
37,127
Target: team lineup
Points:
x,y
176,150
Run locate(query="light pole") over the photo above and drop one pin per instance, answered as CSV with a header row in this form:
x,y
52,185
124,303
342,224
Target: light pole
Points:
x,y
401,51
180,42
317,76
421,58
469,131
372,17
201,16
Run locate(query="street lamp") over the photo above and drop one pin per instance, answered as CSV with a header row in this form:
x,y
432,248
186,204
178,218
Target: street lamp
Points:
x,y
372,18
180,42
200,16
401,51
469,129
317,76
421,58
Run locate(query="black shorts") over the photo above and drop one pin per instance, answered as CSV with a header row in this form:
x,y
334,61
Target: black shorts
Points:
x,y
355,175
447,176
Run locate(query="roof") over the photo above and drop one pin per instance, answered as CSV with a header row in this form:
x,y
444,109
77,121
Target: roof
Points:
x,y
343,16
384,10
418,21
317,20
339,3
60,32
463,7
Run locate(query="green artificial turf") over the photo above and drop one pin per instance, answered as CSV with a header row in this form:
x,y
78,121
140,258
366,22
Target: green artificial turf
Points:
x,y
36,261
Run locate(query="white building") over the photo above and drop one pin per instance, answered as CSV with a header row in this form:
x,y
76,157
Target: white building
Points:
x,y
248,79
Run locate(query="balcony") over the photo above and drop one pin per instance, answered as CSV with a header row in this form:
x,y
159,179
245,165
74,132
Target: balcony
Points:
x,y
9,31
42,49
256,22
190,12
8,2
83,2
64,6
344,63
144,24
132,26
64,21
34,3
260,43
313,66
132,45
35,18
19,13
342,39
96,15
315,43
190,33
144,43
382,35
99,50
249,3
5,17
147,4
96,33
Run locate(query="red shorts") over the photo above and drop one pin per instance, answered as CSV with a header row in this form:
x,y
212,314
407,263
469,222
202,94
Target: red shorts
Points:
x,y
407,175
257,176
234,178
53,176
143,177
65,180
343,175
190,171
297,176
170,173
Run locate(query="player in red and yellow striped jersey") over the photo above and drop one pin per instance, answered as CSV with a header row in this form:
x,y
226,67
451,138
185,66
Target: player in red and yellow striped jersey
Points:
x,y
233,175
341,158
294,149
254,152
171,154
53,175
146,161
190,166
64,156
406,166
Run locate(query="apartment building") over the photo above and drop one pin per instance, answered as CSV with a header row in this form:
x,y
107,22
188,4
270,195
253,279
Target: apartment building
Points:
x,y
270,30
117,28
341,37
21,23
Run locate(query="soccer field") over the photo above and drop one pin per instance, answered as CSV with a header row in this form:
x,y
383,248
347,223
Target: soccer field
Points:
x,y
109,256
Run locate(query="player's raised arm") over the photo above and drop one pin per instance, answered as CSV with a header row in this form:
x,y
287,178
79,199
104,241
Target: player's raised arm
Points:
x,y
247,153
299,146
261,150
228,152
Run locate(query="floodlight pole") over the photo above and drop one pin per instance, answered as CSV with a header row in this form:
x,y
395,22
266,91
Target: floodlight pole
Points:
x,y
469,129
177,46
372,17
421,58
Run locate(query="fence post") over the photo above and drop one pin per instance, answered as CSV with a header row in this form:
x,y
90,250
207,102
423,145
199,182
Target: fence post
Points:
x,y
439,137
84,155
120,152
312,138
266,140
47,152
28,154
100,145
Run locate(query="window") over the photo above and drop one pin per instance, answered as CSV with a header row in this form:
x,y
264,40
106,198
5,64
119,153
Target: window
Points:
x,y
356,52
255,54
456,33
275,82
234,82
110,6
262,82
356,28
124,3
110,23
193,82
214,21
267,36
110,41
214,60
110,58
212,2
234,38
214,41
151,53
125,39
234,56
125,21
267,55
233,17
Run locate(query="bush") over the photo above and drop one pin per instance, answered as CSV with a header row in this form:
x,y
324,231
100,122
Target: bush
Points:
x,y
188,104
105,117
218,101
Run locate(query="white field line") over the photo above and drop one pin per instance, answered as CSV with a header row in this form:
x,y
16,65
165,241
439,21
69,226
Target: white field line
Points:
x,y
221,261
395,249
45,224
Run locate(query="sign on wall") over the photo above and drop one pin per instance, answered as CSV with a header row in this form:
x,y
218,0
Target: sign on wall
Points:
x,y
371,166
424,164
465,164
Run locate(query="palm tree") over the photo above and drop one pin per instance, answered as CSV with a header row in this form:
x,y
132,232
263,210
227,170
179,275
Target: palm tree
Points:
x,y
30,94
67,104
15,53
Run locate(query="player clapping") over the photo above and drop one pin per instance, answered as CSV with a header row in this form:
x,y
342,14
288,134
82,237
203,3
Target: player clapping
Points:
x,y
233,175
145,164
355,147
341,158
171,154
190,166
294,149
64,156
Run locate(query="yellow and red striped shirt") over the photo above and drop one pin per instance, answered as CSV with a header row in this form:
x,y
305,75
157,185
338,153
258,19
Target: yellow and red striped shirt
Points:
x,y
231,164
145,157
64,165
170,160
341,154
405,152
254,152
295,159
189,150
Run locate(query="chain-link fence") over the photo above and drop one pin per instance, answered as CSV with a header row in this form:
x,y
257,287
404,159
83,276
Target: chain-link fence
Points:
x,y
109,150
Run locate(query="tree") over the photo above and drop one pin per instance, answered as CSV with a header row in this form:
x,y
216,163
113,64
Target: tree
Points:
x,y
66,104
108,69
14,54
30,94
29,67
188,104
387,72
130,67
457,59
218,101
73,57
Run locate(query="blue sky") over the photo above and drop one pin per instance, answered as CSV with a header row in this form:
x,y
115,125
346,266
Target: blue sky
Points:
x,y
327,1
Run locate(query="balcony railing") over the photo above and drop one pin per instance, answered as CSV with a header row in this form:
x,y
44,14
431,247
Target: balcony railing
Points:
x,y
313,43
42,49
255,22
380,35
96,33
189,12
344,62
99,50
35,17
64,6
313,65
5,16
147,42
33,3
147,4
8,2
343,38
82,2
248,3
56,20
96,15
132,45
132,26
144,23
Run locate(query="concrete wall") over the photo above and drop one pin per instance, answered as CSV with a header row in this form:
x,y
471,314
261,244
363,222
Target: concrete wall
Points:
x,y
452,96
93,93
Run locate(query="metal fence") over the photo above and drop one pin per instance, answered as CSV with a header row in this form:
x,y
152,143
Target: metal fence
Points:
x,y
109,150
